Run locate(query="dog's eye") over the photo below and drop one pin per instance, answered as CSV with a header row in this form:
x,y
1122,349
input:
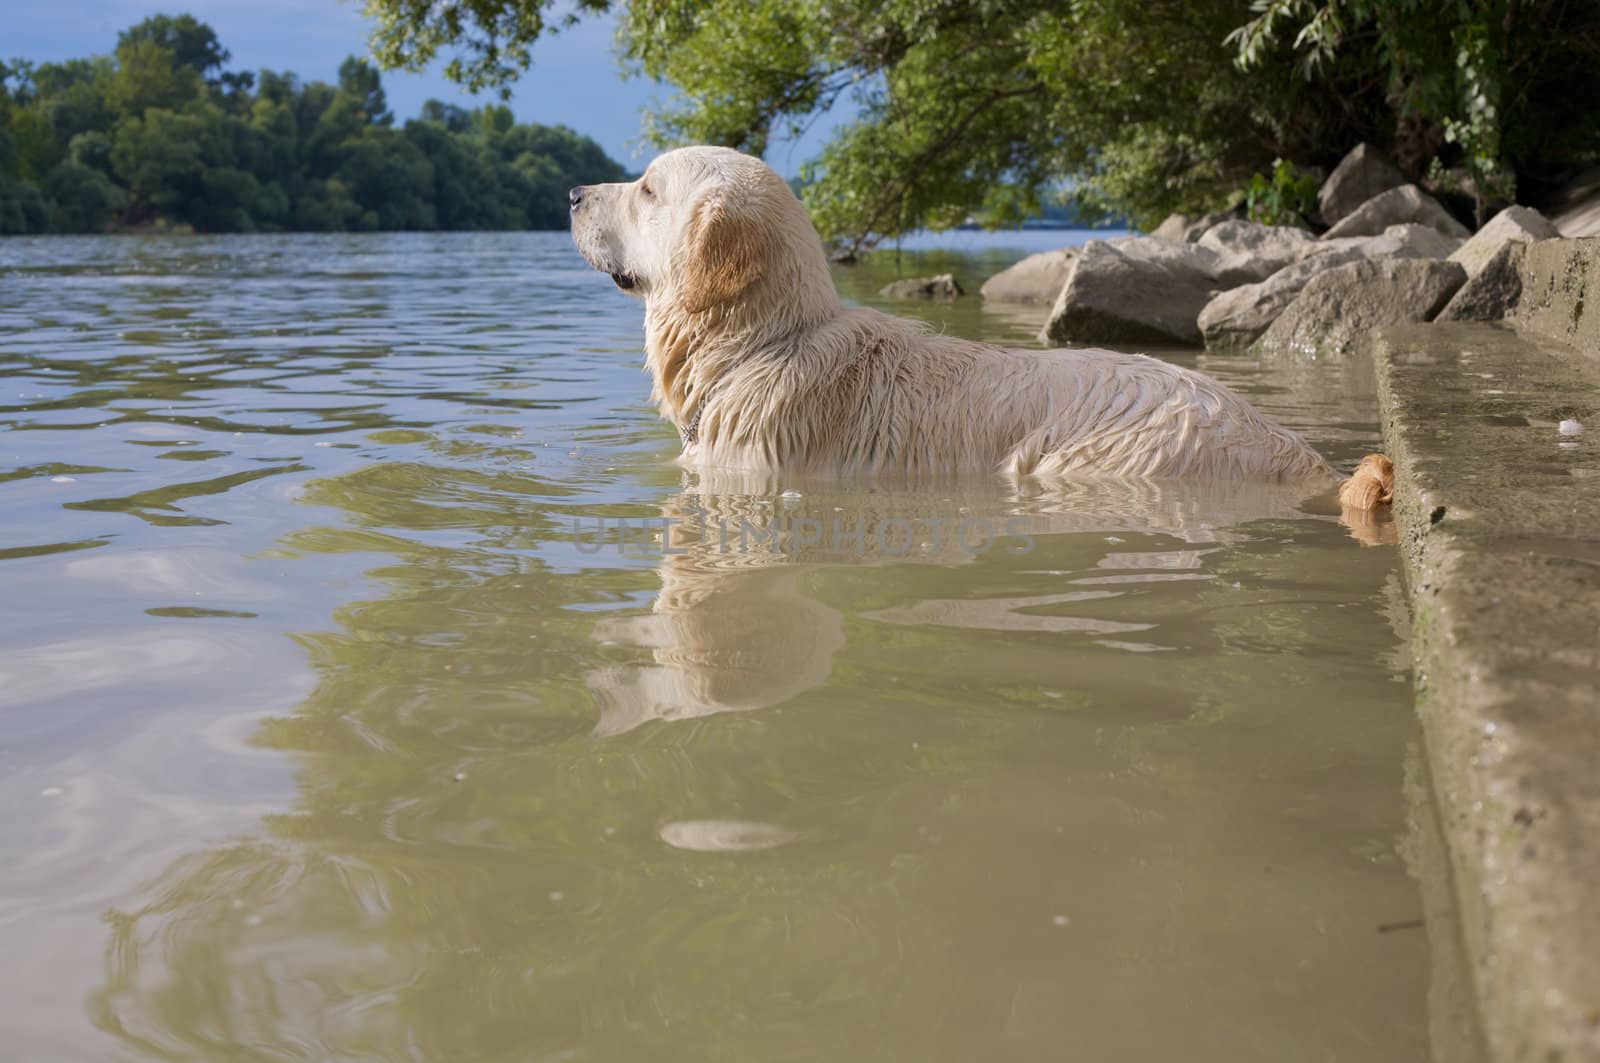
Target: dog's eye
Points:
x,y
649,193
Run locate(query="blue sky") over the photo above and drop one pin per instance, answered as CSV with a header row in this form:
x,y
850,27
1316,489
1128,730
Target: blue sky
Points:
x,y
575,78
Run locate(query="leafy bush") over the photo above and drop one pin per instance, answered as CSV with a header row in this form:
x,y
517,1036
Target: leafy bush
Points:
x,y
1288,197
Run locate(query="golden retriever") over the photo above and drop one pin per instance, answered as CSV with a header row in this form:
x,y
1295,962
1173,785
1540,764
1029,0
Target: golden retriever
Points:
x,y
761,367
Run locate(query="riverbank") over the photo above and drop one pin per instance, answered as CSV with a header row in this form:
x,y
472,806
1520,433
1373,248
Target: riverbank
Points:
x,y
1375,250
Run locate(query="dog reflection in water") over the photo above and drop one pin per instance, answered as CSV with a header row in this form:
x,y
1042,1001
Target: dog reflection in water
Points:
x,y
734,628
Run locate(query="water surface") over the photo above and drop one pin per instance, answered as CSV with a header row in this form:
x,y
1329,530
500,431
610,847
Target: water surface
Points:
x,y
373,687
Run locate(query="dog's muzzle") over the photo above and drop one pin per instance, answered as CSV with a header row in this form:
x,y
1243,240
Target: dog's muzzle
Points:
x,y
577,196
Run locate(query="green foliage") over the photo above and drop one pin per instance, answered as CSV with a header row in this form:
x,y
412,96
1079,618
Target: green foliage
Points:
x,y
969,108
1505,89
1288,197
149,75
191,43
496,34
161,136
83,199
981,108
22,208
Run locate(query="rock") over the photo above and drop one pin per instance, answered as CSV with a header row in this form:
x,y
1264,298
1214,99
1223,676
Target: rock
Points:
x,y
1419,241
1339,305
1493,292
1250,251
943,286
1397,206
1360,175
1236,317
1035,279
1512,224
1183,256
1203,224
1173,227
1241,236
1143,290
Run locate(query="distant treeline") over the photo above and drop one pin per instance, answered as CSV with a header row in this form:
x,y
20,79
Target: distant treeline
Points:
x,y
161,136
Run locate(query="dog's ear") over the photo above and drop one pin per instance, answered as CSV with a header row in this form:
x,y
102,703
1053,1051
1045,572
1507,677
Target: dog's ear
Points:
x,y
722,257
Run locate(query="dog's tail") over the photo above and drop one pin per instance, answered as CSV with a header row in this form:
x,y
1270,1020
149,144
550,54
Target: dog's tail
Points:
x,y
1371,486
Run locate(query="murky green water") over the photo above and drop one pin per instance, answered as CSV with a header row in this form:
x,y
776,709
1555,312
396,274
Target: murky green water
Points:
x,y
334,725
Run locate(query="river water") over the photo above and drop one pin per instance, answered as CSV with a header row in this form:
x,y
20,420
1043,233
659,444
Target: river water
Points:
x,y
373,687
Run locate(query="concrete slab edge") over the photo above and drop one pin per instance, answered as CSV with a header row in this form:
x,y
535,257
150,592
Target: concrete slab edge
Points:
x,y
1511,733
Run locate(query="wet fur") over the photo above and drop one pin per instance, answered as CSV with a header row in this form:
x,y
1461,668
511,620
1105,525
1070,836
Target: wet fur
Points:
x,y
753,356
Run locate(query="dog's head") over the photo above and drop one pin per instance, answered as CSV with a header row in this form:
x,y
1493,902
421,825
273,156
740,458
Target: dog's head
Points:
x,y
703,228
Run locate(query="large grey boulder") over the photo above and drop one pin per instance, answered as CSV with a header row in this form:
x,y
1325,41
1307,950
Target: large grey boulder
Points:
x,y
1036,279
943,286
1494,291
1238,316
1397,206
1521,224
1242,236
1339,305
1156,249
1134,290
1414,241
1203,224
1360,175
1249,251
1173,227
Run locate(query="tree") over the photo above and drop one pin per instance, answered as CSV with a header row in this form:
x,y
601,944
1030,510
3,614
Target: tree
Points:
x,y
22,209
73,96
496,35
83,199
983,106
160,134
1141,106
33,148
148,75
359,80
453,118
162,160
192,43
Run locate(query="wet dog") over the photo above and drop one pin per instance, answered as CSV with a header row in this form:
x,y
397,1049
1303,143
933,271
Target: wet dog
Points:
x,y
761,367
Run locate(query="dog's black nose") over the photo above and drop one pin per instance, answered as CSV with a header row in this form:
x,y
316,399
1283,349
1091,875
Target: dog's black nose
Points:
x,y
575,196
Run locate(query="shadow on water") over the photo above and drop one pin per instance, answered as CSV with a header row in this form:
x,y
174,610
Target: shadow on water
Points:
x,y
751,770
